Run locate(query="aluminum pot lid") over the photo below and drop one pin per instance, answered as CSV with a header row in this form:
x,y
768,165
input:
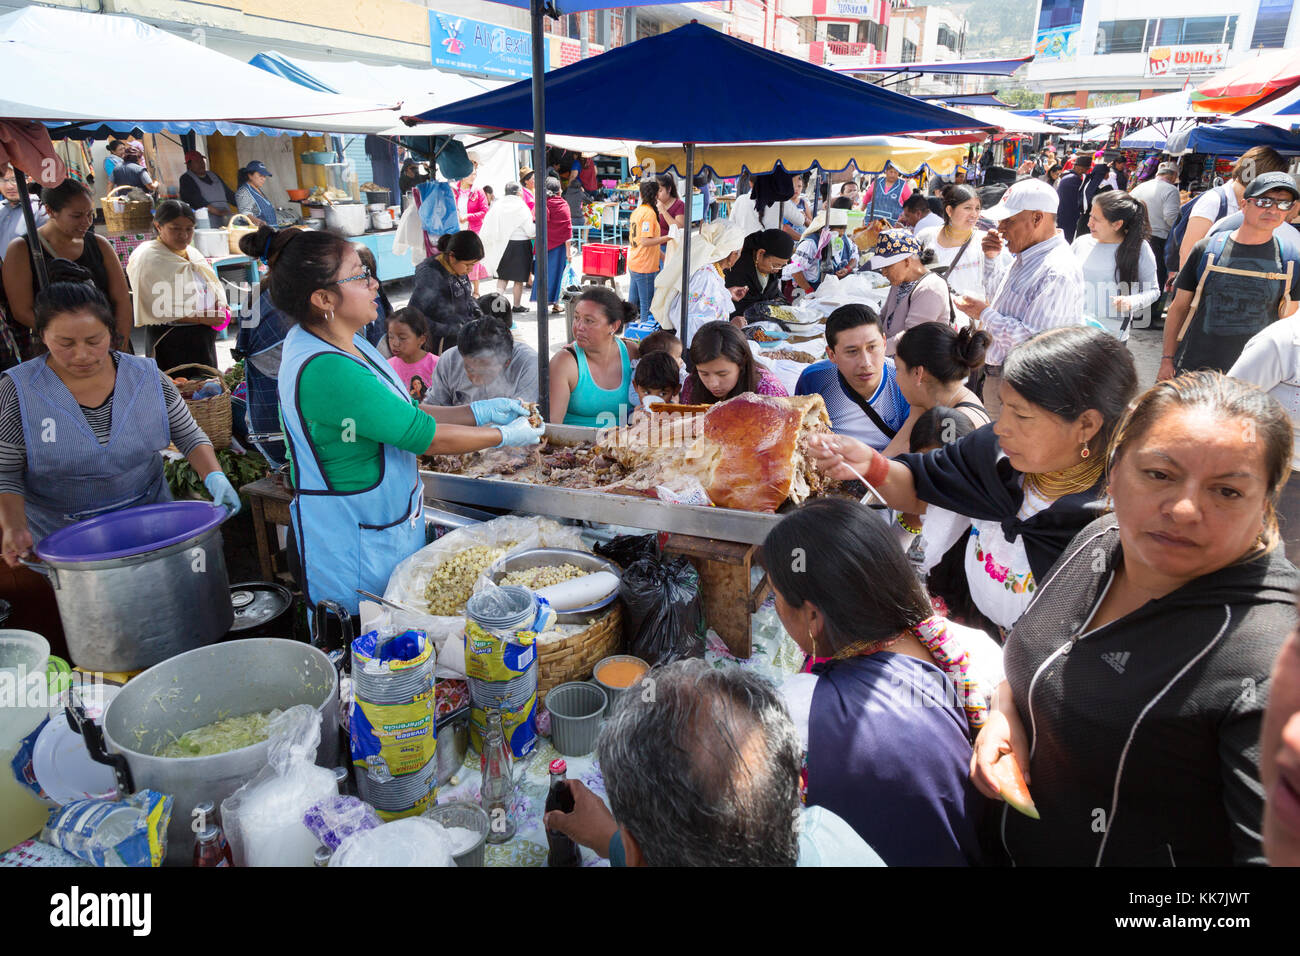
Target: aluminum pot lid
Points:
x,y
255,603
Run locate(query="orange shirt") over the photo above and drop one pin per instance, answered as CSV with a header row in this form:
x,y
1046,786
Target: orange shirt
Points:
x,y
644,224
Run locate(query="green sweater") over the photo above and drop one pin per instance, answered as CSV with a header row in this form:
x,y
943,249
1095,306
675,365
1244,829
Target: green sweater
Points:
x,y
350,414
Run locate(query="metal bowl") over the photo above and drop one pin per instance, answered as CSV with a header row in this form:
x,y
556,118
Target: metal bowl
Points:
x,y
549,557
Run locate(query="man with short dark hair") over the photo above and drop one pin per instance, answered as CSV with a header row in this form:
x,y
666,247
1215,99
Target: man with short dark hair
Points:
x,y
918,215
857,382
702,769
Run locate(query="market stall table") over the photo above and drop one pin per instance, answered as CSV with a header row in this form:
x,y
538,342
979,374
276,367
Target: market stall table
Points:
x,y
269,501
775,656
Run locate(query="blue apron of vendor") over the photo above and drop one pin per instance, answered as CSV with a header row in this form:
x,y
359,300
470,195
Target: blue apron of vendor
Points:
x,y
249,198
347,539
884,200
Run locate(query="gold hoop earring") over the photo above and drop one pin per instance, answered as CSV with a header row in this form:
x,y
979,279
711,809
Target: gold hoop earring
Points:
x,y
329,316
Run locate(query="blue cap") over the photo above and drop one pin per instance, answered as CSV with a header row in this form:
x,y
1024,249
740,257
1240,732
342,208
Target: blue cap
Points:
x,y
257,166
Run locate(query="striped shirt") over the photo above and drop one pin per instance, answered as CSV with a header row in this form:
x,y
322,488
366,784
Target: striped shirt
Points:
x,y
1043,289
185,432
847,417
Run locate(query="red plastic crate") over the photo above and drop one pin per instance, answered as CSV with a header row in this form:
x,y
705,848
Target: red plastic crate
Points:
x,y
603,260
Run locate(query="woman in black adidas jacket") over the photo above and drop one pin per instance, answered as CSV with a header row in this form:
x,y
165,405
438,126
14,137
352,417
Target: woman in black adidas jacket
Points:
x,y
1137,678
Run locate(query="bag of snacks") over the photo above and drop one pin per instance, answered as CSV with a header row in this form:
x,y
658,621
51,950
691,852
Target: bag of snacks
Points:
x,y
441,576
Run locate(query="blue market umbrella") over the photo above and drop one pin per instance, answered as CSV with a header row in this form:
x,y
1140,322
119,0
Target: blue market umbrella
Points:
x,y
760,96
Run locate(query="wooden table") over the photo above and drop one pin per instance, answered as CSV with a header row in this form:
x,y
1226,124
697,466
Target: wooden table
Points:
x,y
729,603
270,503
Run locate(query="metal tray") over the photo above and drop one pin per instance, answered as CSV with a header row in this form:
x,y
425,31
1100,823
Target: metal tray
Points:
x,y
724,524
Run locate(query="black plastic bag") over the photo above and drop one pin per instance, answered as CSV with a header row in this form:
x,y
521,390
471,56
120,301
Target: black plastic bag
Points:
x,y
626,549
664,620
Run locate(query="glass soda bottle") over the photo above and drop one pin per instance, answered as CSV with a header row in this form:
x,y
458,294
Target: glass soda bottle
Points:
x,y
207,820
208,850
564,852
497,784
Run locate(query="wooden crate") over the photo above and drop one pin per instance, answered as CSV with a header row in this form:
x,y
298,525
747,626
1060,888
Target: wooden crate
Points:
x,y
724,567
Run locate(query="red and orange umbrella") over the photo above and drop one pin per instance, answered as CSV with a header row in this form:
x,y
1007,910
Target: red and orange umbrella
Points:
x,y
1248,82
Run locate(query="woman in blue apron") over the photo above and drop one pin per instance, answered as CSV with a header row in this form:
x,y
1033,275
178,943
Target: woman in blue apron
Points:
x,y
885,198
352,430
249,198
81,427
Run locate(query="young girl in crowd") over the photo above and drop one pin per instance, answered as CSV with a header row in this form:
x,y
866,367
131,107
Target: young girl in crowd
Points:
x,y
724,367
413,365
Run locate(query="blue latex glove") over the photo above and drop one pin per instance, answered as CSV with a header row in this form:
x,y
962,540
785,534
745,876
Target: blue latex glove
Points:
x,y
222,491
497,411
519,432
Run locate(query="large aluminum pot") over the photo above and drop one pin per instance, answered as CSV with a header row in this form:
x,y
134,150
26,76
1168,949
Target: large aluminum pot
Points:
x,y
140,585
349,219
197,688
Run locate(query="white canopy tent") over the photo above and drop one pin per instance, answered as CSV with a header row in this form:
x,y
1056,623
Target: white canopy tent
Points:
x,y
68,65
1176,105
1098,134
1010,122
1155,135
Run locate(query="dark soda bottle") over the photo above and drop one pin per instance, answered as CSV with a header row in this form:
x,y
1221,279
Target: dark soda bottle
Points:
x,y
564,852
208,849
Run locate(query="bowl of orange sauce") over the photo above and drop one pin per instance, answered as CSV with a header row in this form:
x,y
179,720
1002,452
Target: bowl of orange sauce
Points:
x,y
617,674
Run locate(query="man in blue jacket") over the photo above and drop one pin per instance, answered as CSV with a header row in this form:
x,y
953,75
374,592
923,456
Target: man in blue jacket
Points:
x,y
1069,190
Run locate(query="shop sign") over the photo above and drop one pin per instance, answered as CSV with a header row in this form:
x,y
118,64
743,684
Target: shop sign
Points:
x,y
1057,43
858,9
472,46
1181,60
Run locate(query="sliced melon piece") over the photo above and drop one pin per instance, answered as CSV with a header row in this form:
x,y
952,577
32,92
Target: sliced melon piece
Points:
x,y
1011,784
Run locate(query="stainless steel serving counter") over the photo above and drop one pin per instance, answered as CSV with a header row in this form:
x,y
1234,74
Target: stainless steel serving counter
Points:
x,y
724,524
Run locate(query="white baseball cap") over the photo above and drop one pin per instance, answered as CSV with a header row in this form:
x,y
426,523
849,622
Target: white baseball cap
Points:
x,y
1024,196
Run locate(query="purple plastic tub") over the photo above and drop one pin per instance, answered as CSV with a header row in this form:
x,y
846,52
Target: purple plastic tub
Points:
x,y
132,531
140,585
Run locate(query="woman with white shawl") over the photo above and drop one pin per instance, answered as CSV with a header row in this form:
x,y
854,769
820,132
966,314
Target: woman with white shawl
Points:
x,y
713,251
507,233
178,299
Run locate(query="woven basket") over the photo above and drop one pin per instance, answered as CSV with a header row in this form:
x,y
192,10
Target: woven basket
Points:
x,y
576,656
865,238
211,414
134,215
234,233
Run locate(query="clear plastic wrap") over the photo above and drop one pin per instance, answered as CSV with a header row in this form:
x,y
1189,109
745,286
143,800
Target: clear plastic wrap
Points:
x,y
263,819
409,579
414,841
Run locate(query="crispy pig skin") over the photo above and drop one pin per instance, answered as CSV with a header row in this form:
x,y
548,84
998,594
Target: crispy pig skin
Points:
x,y
749,452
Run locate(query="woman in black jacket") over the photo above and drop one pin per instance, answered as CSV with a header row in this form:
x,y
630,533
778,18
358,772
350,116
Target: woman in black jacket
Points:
x,y
1024,486
758,270
1137,680
442,291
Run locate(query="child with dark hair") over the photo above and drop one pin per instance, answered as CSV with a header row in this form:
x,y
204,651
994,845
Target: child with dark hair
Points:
x,y
662,341
657,379
406,333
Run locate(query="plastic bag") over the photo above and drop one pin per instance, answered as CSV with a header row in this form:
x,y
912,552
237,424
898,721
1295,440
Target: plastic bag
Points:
x,y
130,832
335,819
627,549
263,819
407,583
664,621
414,841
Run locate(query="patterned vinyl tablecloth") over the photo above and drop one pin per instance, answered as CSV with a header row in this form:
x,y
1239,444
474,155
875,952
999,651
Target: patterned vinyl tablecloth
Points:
x,y
775,657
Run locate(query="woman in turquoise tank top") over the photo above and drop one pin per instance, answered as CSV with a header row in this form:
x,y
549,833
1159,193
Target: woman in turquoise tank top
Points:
x,y
590,378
